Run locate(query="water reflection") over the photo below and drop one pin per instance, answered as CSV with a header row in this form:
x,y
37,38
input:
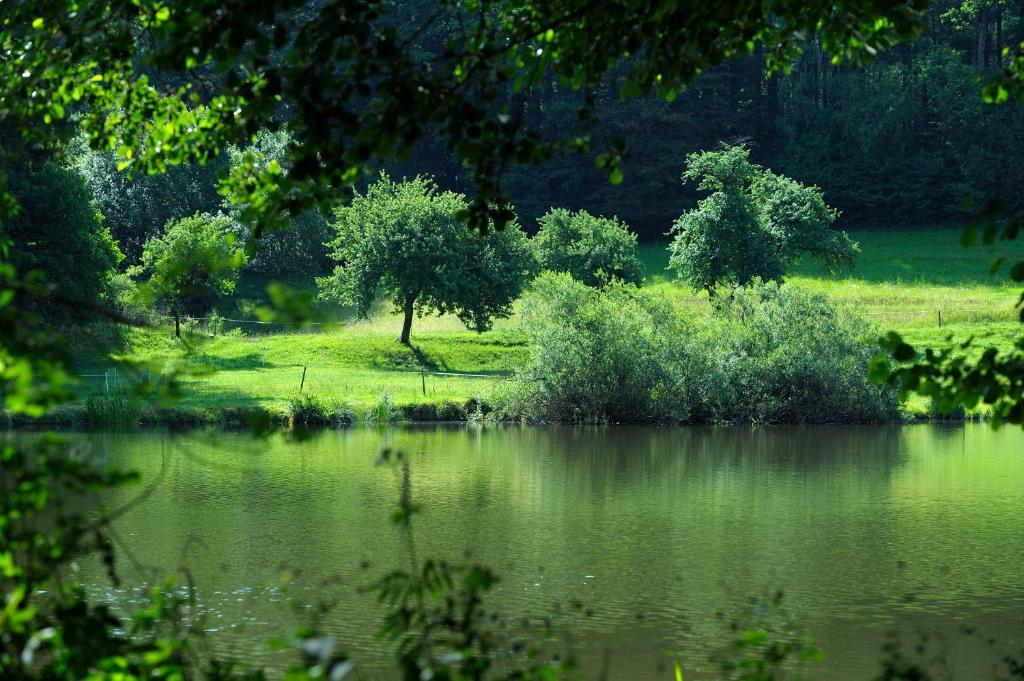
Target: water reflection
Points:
x,y
656,530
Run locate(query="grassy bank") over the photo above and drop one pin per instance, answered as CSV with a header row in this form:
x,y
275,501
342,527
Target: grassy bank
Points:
x,y
904,280
907,280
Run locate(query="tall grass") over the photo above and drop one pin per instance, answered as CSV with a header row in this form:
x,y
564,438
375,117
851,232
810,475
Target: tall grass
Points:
x,y
307,409
384,410
113,412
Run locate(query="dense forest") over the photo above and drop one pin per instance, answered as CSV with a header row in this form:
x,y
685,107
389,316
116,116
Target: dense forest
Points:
x,y
899,143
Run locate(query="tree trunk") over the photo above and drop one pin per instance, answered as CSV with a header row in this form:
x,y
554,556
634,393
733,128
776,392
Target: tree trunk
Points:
x,y
981,48
819,68
410,299
177,325
999,35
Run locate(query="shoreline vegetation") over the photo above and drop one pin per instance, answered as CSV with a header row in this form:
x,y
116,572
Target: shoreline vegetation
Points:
x,y
928,290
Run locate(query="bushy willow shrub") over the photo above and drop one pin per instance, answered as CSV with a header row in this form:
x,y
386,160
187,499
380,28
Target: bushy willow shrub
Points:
x,y
787,355
768,353
601,355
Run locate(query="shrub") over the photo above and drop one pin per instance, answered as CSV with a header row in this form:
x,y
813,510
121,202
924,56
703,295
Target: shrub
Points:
x,y
299,248
592,249
59,233
450,411
125,299
306,409
344,414
596,355
420,413
384,411
768,354
789,356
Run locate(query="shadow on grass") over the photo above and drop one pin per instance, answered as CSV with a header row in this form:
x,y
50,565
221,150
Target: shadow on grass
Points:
x,y
425,361
252,360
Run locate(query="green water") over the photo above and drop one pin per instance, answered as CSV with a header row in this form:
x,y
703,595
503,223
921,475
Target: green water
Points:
x,y
867,530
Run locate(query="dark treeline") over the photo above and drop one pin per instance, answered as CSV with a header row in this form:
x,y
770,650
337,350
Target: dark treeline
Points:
x,y
899,143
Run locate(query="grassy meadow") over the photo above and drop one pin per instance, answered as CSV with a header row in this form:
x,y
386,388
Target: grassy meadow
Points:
x,y
903,280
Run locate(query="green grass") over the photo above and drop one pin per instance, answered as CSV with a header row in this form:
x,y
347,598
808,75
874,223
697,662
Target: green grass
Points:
x,y
903,280
356,363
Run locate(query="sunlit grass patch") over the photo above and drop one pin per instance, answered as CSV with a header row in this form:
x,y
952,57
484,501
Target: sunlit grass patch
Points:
x,y
904,281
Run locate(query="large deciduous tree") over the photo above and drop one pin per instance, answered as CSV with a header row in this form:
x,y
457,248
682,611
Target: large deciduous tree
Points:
x,y
753,224
406,240
298,248
59,233
191,265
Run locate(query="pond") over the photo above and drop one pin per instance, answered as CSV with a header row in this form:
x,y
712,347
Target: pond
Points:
x,y
637,541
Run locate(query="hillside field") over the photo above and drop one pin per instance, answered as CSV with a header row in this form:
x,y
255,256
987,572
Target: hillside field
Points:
x,y
359,360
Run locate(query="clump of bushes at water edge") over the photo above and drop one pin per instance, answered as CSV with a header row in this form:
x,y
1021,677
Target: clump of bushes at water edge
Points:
x,y
768,353
306,409
113,411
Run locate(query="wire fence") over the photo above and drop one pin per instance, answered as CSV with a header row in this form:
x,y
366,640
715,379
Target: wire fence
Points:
x,y
271,382
215,325
286,380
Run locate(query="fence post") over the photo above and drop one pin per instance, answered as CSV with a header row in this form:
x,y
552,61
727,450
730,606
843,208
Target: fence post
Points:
x,y
940,319
423,379
303,381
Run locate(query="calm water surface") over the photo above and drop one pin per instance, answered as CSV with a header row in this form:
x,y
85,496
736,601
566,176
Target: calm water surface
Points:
x,y
867,530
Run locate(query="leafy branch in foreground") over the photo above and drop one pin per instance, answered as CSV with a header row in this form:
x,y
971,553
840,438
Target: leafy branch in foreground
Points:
x,y
437,615
163,84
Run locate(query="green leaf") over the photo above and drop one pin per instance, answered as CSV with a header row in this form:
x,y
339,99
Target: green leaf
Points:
x,y
904,352
879,369
969,236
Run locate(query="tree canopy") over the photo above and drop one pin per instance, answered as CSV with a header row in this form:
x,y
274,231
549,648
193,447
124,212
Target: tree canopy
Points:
x,y
191,265
300,247
59,234
753,224
405,240
592,249
238,65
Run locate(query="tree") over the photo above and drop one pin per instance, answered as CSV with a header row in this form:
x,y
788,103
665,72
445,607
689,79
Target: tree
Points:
x,y
191,265
405,240
592,249
137,207
298,247
753,224
59,234
359,87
